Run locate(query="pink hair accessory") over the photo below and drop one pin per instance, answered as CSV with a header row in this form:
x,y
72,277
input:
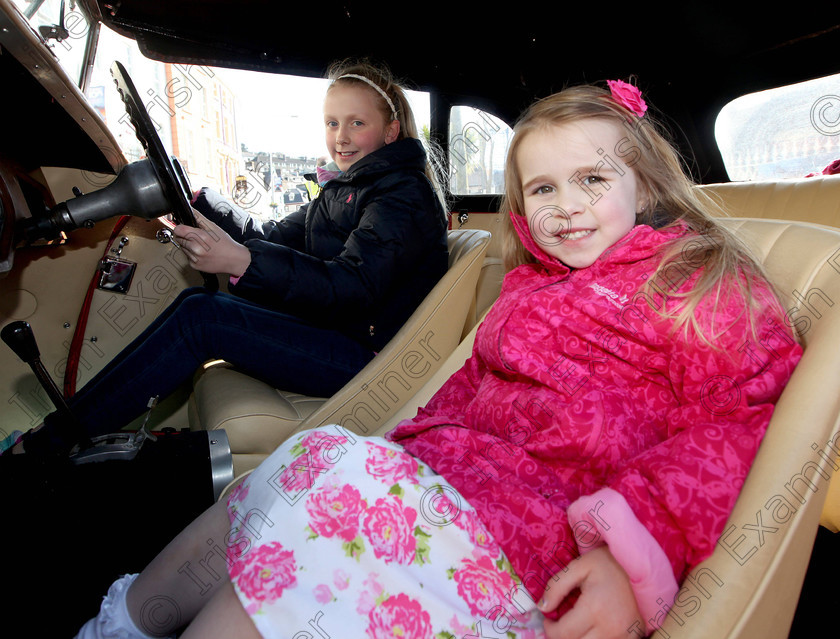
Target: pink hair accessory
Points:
x,y
627,96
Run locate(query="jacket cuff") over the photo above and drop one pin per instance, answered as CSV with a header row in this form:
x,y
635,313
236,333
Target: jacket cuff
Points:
x,y
605,517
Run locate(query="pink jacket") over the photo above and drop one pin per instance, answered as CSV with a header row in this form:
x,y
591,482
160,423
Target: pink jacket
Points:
x,y
580,419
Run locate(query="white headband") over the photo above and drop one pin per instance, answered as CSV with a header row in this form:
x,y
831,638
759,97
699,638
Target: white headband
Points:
x,y
375,86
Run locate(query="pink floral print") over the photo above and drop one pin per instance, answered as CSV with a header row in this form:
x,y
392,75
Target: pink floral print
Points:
x,y
469,521
482,585
263,573
328,447
389,527
370,593
323,594
341,579
315,454
361,547
334,511
390,466
299,476
399,616
240,492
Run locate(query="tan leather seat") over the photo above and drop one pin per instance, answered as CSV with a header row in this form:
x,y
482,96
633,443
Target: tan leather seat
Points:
x,y
492,271
750,586
812,199
257,417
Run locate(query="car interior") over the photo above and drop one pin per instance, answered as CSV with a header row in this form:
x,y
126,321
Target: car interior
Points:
x,y
86,258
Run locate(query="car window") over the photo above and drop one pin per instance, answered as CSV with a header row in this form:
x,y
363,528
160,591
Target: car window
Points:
x,y
478,142
65,33
790,131
251,136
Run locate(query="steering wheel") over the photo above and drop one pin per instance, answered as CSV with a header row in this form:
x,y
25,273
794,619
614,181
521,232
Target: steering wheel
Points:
x,y
168,171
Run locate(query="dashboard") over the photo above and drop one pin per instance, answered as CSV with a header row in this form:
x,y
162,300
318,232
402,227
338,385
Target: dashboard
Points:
x,y
47,122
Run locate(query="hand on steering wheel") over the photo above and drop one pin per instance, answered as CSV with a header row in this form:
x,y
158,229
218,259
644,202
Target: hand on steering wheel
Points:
x,y
210,249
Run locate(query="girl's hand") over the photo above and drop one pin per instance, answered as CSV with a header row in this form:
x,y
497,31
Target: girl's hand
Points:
x,y
606,607
210,249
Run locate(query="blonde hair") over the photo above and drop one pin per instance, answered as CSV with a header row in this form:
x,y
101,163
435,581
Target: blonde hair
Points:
x,y
672,199
378,75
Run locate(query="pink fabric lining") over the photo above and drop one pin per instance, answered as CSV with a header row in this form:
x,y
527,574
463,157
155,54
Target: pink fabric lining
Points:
x,y
606,518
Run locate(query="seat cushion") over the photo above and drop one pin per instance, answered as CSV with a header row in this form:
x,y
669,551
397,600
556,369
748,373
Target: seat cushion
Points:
x,y
258,417
230,398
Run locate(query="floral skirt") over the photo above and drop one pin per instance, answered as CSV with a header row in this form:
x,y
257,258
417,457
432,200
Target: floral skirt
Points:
x,y
337,535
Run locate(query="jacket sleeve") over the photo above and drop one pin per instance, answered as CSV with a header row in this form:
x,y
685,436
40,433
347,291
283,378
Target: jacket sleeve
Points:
x,y
237,223
682,490
393,234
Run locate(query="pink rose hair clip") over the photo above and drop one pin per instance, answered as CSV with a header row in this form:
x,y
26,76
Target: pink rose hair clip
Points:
x,y
627,96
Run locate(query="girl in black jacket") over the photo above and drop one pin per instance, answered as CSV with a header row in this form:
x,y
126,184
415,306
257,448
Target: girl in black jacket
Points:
x,y
314,295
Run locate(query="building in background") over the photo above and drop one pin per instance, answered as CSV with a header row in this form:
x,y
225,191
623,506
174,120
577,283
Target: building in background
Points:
x,y
203,122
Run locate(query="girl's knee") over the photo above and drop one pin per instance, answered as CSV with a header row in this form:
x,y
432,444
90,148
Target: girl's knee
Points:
x,y
196,304
195,295
223,616
190,292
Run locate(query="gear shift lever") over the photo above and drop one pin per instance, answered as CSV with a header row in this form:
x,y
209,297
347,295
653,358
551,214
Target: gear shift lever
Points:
x,y
19,337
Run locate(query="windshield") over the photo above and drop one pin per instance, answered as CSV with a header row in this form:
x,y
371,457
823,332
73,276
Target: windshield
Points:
x,y
254,137
251,136
63,27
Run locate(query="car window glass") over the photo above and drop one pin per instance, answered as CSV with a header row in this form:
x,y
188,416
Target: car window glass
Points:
x,y
790,131
66,35
478,142
251,136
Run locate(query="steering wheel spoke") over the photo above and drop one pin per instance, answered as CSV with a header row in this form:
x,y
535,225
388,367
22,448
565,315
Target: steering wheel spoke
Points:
x,y
172,178
169,172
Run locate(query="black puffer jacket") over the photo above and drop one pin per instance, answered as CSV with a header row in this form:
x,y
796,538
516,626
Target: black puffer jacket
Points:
x,y
359,258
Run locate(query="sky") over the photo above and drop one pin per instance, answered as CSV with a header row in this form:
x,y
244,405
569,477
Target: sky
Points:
x,y
281,113
285,113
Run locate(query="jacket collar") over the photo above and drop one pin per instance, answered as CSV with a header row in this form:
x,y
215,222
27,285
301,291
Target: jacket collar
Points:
x,y
638,244
407,153
324,174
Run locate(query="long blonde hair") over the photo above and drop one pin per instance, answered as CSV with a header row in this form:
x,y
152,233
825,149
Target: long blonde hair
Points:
x,y
381,76
672,200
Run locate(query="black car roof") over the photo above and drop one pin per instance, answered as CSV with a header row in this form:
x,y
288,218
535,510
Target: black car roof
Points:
x,y
689,58
483,51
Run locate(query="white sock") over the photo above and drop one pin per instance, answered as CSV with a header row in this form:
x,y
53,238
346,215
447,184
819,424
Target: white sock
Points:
x,y
113,620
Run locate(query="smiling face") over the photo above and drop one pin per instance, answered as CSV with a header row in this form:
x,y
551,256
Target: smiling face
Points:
x,y
355,125
579,198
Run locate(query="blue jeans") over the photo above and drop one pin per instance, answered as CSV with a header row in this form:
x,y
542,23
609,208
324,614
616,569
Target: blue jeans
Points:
x,y
279,349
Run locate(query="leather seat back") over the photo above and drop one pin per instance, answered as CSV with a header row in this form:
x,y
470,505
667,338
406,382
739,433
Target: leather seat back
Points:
x,y
258,417
749,587
813,199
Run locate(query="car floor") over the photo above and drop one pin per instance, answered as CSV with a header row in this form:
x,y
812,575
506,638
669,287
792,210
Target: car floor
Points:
x,y
816,612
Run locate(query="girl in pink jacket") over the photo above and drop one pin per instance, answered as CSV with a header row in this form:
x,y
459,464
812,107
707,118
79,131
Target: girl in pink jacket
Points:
x,y
566,479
